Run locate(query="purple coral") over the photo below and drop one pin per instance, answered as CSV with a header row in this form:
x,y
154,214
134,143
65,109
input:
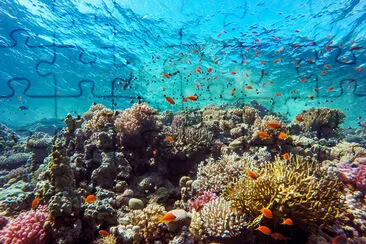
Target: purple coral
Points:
x,y
26,228
201,200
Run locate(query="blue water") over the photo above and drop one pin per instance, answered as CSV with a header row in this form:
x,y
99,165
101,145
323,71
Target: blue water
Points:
x,y
58,57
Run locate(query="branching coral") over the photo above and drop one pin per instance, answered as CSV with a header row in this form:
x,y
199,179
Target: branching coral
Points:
x,y
216,174
188,141
217,219
295,188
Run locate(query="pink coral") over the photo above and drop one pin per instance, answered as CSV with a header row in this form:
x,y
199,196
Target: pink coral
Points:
x,y
201,200
26,228
354,173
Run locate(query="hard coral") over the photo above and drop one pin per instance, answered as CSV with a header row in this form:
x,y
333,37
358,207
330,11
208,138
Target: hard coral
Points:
x,y
188,141
322,121
217,219
148,222
216,174
201,200
28,227
295,188
134,121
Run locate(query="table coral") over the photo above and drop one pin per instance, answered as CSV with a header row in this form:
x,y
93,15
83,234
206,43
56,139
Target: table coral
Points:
x,y
27,228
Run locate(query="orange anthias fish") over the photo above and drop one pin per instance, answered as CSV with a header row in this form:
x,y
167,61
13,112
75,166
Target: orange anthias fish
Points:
x,y
285,156
209,70
330,89
252,175
264,229
169,217
263,134
282,136
192,98
169,138
278,236
303,79
273,125
198,70
249,87
103,233
287,221
90,199
166,75
233,72
278,94
184,99
299,118
359,68
267,213
36,202
169,100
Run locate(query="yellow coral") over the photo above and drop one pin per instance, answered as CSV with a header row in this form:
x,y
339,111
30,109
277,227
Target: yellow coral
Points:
x,y
148,221
296,188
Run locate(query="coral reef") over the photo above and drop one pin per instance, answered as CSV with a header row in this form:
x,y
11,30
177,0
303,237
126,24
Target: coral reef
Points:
x,y
117,173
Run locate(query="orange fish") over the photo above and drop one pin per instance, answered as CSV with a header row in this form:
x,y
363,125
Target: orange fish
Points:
x,y
169,100
264,229
299,118
282,136
166,75
262,134
169,138
246,74
197,70
252,175
278,94
103,233
278,236
310,60
323,72
194,50
169,217
209,70
36,202
270,82
233,91
90,199
263,62
197,86
287,221
233,72
192,98
184,99
359,68
276,61
276,38
327,66
267,213
249,87
285,156
273,125
303,79
154,152
330,89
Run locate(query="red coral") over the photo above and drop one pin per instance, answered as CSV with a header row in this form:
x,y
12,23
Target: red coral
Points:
x,y
201,200
354,173
26,228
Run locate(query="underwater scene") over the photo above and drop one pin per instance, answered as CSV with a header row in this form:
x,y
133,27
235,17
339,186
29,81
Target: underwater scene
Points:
x,y
182,121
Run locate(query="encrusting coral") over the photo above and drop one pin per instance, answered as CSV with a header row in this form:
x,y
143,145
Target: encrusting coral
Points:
x,y
293,188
